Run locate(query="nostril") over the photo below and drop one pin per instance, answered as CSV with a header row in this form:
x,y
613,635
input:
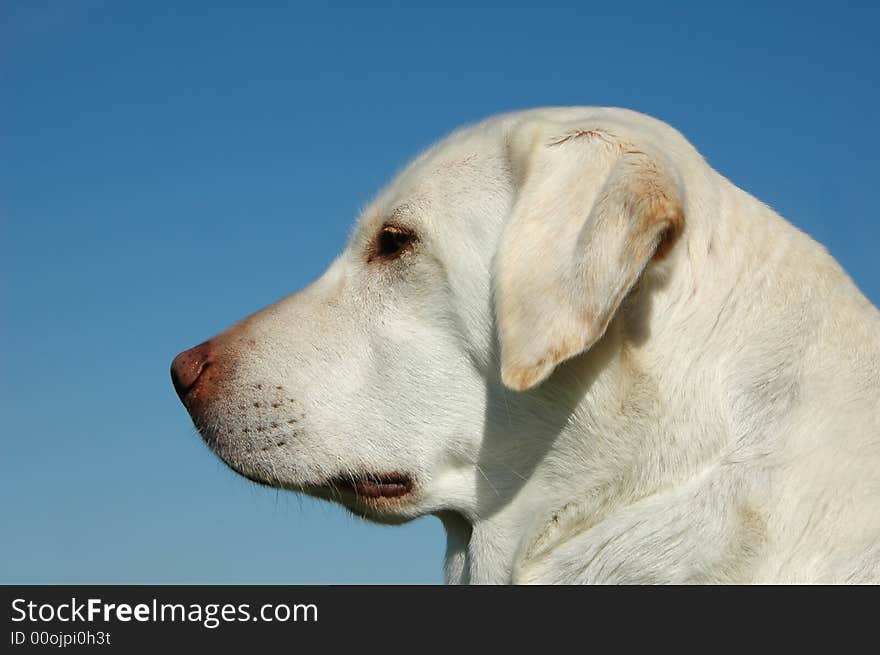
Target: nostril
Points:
x,y
188,366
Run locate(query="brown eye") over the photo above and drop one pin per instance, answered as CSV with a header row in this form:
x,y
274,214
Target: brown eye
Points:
x,y
392,241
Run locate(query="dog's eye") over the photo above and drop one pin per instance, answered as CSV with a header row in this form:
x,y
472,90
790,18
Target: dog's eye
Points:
x,y
392,241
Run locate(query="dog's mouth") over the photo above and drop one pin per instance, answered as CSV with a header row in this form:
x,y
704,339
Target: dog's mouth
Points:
x,y
373,486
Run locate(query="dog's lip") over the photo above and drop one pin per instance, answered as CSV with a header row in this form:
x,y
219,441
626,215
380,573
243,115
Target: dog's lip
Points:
x,y
373,485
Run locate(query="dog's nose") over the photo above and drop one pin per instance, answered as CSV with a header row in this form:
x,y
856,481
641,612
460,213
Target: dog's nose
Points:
x,y
188,366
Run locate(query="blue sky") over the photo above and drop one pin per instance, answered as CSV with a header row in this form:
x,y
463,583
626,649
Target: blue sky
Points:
x,y
166,169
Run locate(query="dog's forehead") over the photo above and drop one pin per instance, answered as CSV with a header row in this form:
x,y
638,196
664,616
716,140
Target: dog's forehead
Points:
x,y
475,160
462,163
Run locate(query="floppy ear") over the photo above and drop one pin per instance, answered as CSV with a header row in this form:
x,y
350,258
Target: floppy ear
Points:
x,y
591,213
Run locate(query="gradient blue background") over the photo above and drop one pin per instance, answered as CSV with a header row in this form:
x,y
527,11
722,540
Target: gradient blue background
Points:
x,y
167,169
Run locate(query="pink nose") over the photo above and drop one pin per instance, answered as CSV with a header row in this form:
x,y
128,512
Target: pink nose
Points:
x,y
187,368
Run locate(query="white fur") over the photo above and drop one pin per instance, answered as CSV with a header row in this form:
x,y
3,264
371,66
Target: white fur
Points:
x,y
708,416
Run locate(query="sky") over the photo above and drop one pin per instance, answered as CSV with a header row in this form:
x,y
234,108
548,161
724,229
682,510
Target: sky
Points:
x,y
168,168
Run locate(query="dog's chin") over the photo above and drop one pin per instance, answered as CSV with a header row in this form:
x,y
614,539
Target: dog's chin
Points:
x,y
381,497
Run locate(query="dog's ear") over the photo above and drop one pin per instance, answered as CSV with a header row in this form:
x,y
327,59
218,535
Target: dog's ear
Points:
x,y
591,213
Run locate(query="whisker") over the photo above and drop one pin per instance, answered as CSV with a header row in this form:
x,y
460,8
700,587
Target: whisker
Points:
x,y
491,486
507,408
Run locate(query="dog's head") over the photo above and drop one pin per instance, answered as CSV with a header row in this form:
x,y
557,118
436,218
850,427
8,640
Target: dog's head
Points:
x,y
500,253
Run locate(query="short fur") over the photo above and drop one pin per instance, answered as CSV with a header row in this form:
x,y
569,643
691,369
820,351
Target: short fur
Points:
x,y
599,361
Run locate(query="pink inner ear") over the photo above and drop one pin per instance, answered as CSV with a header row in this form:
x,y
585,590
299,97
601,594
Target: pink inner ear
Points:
x,y
665,242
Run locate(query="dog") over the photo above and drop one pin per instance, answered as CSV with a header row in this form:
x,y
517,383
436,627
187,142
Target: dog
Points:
x,y
594,358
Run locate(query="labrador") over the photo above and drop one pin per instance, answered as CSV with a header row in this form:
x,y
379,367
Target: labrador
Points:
x,y
594,358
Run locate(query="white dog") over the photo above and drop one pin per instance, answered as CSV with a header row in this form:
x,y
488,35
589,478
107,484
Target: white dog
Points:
x,y
584,350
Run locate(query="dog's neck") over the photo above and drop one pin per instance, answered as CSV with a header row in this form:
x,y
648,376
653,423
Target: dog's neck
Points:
x,y
546,468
